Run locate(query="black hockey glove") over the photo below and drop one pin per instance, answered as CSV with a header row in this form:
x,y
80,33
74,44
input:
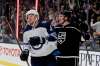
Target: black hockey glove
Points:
x,y
24,55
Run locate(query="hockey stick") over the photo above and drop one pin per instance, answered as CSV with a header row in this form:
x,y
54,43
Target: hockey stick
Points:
x,y
12,32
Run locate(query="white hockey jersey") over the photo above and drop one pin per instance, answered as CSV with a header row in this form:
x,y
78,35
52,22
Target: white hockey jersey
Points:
x,y
47,48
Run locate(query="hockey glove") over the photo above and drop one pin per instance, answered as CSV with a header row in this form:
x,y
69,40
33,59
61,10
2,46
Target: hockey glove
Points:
x,y
24,55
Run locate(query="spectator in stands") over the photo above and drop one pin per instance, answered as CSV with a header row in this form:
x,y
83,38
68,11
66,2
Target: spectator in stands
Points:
x,y
96,28
55,20
6,32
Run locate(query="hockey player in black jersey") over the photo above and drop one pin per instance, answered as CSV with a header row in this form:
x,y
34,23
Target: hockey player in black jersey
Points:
x,y
68,40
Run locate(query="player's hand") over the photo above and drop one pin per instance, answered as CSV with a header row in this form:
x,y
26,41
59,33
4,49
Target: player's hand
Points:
x,y
24,55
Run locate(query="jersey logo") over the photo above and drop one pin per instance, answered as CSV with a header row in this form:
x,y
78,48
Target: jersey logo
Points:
x,y
37,47
61,37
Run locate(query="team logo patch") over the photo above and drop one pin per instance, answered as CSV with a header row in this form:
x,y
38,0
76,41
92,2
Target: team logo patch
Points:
x,y
61,37
37,47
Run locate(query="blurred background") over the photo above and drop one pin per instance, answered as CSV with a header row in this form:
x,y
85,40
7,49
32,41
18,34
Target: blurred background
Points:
x,y
82,12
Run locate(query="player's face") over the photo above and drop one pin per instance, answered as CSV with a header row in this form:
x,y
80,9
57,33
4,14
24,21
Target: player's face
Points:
x,y
61,18
31,19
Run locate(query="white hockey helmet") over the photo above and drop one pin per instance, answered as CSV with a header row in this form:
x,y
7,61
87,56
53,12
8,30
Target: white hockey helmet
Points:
x,y
33,12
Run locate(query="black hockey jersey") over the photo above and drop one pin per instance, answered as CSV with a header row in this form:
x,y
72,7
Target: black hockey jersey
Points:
x,y
68,40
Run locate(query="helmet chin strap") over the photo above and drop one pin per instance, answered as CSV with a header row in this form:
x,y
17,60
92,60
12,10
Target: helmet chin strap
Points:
x,y
35,23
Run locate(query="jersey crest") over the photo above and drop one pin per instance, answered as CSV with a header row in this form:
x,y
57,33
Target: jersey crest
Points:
x,y
61,37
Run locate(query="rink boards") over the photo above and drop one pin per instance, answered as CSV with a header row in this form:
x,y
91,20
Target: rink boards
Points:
x,y
9,56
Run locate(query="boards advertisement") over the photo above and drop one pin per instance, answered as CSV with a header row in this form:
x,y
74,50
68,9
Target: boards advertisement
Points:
x,y
10,56
92,58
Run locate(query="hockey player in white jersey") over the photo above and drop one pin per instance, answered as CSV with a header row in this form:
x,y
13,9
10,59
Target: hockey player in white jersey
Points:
x,y
37,43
